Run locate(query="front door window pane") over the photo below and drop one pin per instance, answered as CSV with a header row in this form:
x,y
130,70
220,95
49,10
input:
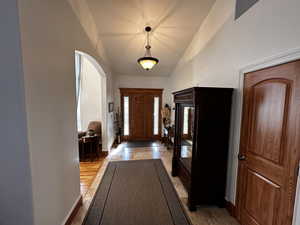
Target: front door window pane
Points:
x,y
156,116
126,115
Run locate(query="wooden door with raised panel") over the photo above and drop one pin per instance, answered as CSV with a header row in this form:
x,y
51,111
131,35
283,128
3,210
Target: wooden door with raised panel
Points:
x,y
269,148
141,122
141,113
137,118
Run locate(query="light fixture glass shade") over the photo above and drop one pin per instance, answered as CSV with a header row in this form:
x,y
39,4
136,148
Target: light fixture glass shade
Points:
x,y
147,62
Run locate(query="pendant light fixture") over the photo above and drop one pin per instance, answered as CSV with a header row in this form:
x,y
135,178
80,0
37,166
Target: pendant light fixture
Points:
x,y
148,62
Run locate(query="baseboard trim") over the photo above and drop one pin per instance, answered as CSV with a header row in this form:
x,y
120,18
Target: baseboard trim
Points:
x,y
73,211
231,209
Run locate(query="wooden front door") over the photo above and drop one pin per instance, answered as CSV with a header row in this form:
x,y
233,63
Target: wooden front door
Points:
x,y
269,149
141,119
141,111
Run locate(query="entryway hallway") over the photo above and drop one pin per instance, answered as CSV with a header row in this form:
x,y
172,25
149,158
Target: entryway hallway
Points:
x,y
204,216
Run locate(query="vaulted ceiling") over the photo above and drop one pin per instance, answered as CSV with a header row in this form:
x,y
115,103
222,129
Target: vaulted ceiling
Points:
x,y
120,26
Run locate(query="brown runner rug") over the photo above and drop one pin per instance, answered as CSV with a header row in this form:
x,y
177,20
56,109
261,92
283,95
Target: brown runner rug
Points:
x,y
136,193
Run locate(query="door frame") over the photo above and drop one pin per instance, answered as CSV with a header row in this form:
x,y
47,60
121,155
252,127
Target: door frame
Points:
x,y
285,57
157,92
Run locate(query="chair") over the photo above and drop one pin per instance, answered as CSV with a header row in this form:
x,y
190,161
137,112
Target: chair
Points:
x,y
97,128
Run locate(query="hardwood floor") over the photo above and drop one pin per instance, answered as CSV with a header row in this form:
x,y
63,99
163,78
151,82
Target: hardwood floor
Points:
x,y
88,172
203,216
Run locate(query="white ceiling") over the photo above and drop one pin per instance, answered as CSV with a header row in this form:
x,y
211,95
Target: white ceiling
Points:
x,y
120,25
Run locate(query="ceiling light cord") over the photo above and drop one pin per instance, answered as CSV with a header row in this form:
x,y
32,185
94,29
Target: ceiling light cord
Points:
x,y
148,46
148,39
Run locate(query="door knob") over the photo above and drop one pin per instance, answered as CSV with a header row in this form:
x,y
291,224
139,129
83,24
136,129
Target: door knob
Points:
x,y
241,157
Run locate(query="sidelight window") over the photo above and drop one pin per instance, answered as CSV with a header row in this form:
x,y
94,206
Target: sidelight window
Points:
x,y
126,115
156,116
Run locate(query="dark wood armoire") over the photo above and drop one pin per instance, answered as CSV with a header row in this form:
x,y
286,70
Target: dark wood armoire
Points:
x,y
202,122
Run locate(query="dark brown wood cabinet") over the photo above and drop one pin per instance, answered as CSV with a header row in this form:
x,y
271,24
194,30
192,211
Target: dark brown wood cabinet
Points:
x,y
202,121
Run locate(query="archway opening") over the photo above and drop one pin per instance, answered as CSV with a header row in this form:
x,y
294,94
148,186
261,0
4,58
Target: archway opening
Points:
x,y
91,111
89,102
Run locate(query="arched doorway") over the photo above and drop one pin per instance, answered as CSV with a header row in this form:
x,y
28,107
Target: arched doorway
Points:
x,y
102,81
91,102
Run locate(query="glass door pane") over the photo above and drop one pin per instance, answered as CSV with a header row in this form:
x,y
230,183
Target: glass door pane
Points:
x,y
187,114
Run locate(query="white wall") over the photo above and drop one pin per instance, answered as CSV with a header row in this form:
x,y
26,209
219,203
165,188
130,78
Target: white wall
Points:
x,y
15,188
87,21
223,46
110,115
50,34
90,94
